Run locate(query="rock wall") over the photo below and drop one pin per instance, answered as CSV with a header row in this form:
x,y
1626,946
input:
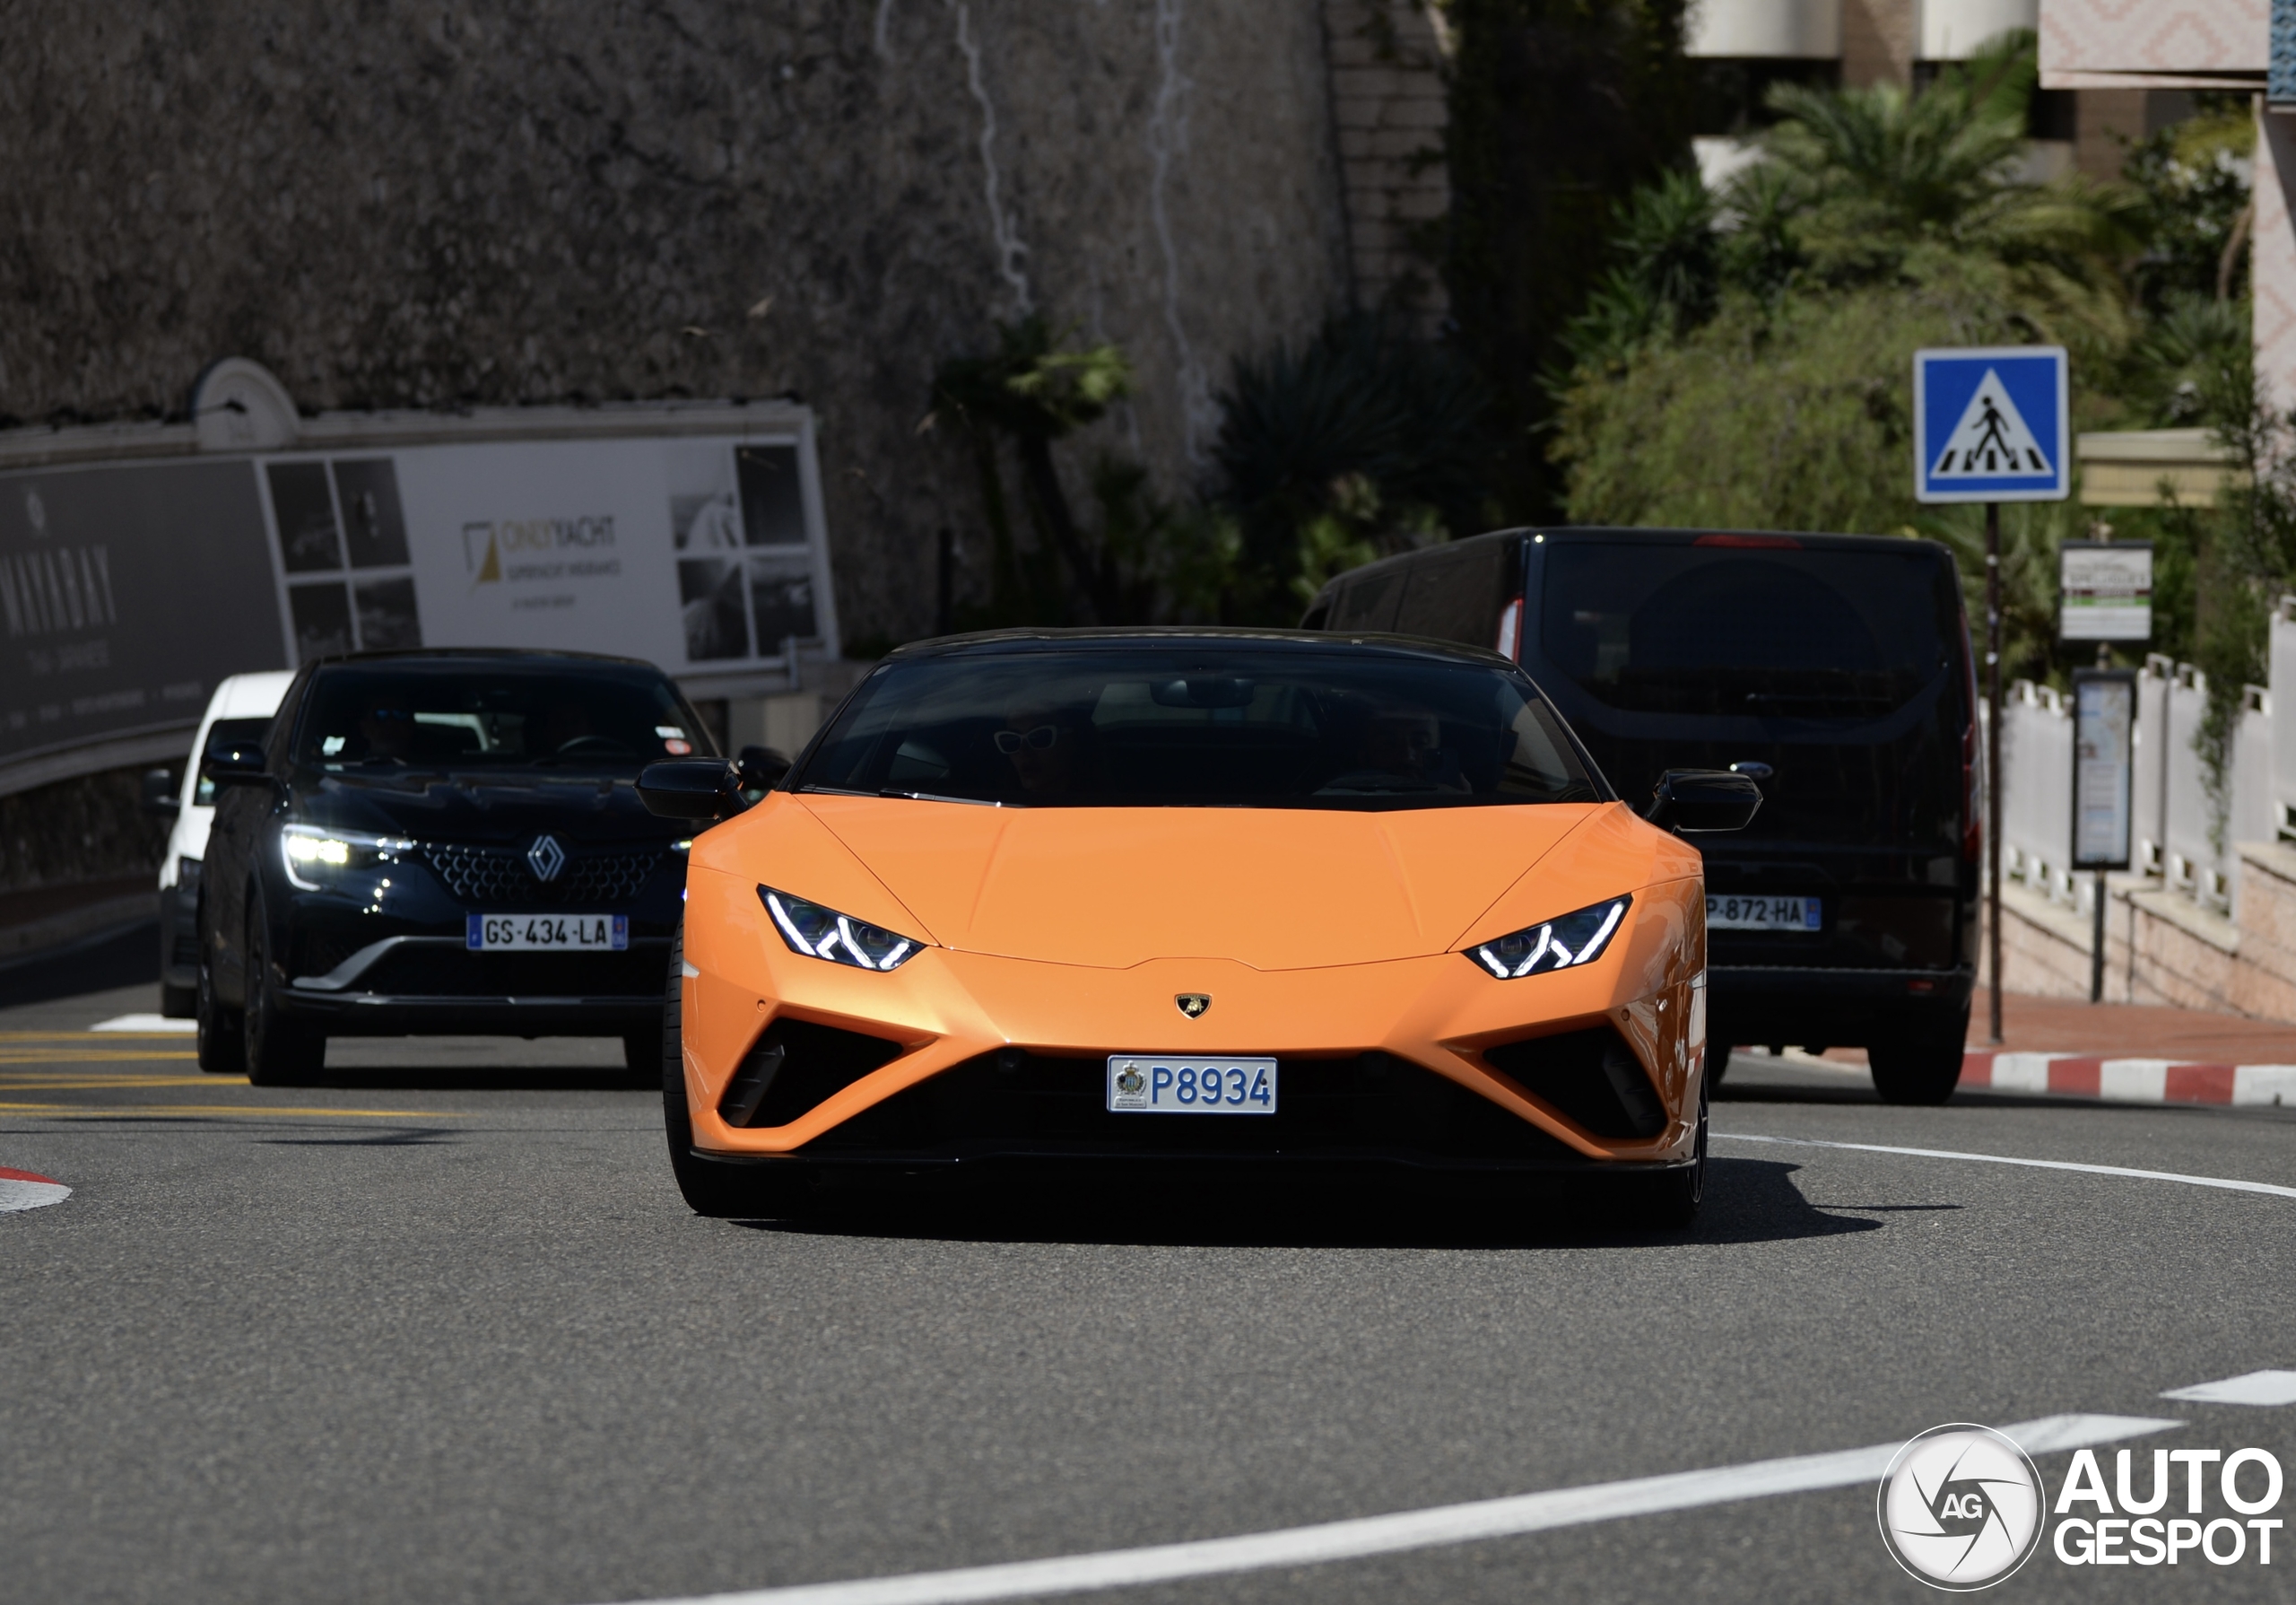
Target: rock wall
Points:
x,y
392,204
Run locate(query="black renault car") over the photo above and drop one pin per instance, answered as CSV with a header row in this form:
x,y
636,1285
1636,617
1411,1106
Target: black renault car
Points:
x,y
1835,671
442,842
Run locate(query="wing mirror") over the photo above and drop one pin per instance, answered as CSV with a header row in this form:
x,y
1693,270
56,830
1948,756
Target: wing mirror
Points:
x,y
237,764
691,789
160,794
1696,801
759,769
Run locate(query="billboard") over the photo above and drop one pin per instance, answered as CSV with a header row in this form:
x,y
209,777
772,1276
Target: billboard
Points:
x,y
704,556
125,594
129,589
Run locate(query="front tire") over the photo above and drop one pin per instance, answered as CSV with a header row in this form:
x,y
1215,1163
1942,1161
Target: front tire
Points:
x,y
1922,1064
222,1041
280,1052
1670,1200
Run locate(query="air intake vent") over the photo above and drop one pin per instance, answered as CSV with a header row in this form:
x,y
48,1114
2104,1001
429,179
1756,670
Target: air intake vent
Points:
x,y
1591,1078
793,1067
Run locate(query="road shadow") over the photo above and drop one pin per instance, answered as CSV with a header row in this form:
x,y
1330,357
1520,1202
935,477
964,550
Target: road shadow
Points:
x,y
537,1078
1747,1200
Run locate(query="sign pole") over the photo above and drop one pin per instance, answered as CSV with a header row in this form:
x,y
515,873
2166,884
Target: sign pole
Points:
x,y
1992,424
1993,760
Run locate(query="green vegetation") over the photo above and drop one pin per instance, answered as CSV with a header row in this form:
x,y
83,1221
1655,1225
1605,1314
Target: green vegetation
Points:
x,y
1366,440
1558,110
1747,358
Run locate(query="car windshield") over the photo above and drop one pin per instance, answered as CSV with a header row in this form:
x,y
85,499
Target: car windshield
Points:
x,y
592,717
1203,723
1768,634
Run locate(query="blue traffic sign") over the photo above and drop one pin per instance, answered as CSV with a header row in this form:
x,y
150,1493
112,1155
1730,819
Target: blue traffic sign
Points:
x,y
1989,424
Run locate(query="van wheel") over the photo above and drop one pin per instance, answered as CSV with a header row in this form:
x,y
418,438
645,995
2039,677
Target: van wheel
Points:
x,y
1922,1064
178,1002
710,1187
280,1052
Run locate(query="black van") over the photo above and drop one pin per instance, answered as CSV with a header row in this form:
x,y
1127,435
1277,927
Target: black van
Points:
x,y
1833,669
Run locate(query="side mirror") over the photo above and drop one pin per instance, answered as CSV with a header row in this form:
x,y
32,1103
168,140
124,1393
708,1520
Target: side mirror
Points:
x,y
237,764
690,789
760,769
1692,800
160,794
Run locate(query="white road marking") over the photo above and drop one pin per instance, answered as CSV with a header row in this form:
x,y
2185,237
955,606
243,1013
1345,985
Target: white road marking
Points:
x,y
2258,1387
1408,1530
28,1189
147,1023
2228,1183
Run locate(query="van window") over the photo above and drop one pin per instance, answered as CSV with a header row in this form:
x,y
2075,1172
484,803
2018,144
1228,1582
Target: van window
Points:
x,y
1839,668
1454,596
1367,603
1795,634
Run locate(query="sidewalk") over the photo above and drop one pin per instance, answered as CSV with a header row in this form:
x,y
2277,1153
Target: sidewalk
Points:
x,y
2125,1052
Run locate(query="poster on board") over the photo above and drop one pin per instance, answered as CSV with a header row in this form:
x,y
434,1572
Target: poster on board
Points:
x,y
129,588
127,591
704,556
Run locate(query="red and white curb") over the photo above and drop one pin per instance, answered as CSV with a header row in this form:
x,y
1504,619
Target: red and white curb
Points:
x,y
28,1189
2129,1080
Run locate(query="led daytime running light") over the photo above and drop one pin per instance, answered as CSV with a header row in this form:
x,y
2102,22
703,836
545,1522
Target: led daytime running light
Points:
x,y
823,933
324,852
1575,938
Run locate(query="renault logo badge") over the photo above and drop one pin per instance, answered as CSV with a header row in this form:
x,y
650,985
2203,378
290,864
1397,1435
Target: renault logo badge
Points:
x,y
1194,1004
546,857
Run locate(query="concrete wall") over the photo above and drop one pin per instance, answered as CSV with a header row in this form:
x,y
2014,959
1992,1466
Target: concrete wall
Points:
x,y
404,205
2160,947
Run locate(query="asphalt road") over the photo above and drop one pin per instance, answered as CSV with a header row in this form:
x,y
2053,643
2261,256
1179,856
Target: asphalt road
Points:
x,y
444,1331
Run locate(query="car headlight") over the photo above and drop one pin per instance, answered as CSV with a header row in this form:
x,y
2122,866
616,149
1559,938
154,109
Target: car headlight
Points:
x,y
1561,943
824,933
315,856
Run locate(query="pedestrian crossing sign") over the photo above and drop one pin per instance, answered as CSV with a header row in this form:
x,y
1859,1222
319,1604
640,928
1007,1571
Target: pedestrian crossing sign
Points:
x,y
1989,424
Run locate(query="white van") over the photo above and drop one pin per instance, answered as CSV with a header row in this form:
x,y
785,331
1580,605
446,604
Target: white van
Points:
x,y
239,711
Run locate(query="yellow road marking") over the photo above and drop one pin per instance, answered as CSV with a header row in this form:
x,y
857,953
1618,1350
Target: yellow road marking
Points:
x,y
57,1084
73,1110
17,1056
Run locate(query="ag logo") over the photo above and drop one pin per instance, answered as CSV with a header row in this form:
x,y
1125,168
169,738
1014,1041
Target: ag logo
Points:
x,y
1194,1004
1130,1080
546,857
1961,1507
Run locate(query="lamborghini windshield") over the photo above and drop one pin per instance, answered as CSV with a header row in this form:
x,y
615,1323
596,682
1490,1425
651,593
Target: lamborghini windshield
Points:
x,y
1202,723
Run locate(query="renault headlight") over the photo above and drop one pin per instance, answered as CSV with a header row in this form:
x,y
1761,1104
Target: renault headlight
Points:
x,y
315,856
1561,943
824,933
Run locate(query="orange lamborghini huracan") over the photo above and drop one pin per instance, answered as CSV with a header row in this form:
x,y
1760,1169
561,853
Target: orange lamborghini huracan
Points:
x,y
1189,895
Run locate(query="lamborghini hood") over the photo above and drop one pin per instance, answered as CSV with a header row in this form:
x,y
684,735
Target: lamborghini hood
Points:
x,y
1276,889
